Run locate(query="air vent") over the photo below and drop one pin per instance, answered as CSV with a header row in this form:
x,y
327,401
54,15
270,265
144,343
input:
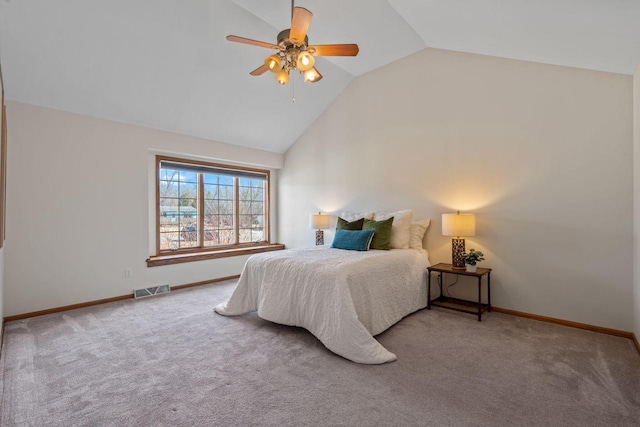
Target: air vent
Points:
x,y
153,290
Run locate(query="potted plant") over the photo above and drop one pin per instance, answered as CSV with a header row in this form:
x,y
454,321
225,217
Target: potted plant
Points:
x,y
471,258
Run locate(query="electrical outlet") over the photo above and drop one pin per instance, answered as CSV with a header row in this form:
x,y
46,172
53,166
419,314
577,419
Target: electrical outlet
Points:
x,y
128,273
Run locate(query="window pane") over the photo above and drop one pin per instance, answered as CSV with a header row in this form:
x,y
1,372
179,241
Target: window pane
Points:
x,y
251,228
258,222
210,178
226,221
189,177
226,207
211,207
188,244
211,237
257,195
168,189
168,174
211,191
188,233
227,237
226,192
245,207
257,235
188,189
169,241
251,194
245,221
188,213
178,209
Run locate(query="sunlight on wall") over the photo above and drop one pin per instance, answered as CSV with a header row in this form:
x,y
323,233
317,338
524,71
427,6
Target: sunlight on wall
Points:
x,y
542,165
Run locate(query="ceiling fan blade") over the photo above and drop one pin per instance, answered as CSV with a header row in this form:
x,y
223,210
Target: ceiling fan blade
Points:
x,y
334,50
260,70
299,25
252,42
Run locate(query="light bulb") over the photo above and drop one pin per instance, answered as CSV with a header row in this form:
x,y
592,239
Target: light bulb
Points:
x,y
305,61
312,75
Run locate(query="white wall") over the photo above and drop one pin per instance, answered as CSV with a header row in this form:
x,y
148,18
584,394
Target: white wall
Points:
x,y
78,209
541,154
636,200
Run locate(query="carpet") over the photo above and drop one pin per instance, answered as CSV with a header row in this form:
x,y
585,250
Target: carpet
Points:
x,y
169,360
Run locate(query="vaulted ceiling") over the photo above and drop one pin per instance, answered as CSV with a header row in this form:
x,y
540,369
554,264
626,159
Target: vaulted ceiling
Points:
x,y
166,64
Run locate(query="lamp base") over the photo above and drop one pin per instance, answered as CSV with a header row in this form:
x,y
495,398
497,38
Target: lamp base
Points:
x,y
319,237
457,249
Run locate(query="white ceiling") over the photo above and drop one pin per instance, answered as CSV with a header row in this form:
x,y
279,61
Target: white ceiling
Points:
x,y
166,64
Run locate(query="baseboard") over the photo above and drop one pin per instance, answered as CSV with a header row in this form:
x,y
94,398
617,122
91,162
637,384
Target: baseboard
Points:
x,y
600,329
204,282
635,341
106,300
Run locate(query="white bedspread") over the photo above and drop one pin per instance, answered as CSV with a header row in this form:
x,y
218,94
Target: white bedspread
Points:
x,y
341,297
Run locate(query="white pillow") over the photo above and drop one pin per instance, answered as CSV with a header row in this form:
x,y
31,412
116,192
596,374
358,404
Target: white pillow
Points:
x,y
354,216
401,228
417,233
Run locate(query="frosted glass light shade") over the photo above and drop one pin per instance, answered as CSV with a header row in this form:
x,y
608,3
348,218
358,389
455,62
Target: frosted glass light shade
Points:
x,y
305,61
312,75
319,221
282,77
458,225
273,63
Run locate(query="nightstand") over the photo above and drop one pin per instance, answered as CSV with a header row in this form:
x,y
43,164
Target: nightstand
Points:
x,y
457,304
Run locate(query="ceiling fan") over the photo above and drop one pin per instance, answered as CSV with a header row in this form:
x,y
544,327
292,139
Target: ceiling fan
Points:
x,y
294,52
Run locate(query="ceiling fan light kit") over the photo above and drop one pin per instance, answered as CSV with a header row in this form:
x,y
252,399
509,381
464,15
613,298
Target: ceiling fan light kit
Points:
x,y
294,52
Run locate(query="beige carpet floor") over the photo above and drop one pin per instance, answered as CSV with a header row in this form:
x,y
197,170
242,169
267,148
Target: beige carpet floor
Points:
x,y
171,361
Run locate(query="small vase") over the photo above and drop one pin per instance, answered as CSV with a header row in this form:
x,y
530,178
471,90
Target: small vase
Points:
x,y
471,268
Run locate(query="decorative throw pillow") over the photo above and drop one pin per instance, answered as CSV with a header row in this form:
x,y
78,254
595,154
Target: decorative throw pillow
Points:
x,y
352,216
346,225
382,237
417,233
353,240
401,230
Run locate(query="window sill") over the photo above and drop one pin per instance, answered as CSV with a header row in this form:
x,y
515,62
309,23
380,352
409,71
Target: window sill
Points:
x,y
156,261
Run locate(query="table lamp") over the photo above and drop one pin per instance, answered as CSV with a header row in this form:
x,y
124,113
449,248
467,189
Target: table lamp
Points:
x,y
319,222
458,226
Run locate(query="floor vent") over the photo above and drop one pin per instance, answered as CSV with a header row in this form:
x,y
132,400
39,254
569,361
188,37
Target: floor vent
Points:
x,y
153,290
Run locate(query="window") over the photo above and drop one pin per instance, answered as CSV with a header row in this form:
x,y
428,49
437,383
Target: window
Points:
x,y
208,207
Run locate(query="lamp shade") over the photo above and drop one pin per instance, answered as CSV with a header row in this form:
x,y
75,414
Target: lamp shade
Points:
x,y
458,225
273,63
319,221
282,77
305,61
312,75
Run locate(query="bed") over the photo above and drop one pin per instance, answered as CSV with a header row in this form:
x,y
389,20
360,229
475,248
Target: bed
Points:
x,y
342,297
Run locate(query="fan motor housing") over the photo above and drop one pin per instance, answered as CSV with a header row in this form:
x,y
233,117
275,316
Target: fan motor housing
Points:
x,y
285,42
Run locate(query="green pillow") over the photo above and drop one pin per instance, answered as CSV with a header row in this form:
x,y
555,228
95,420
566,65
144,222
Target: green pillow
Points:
x,y
343,224
382,237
